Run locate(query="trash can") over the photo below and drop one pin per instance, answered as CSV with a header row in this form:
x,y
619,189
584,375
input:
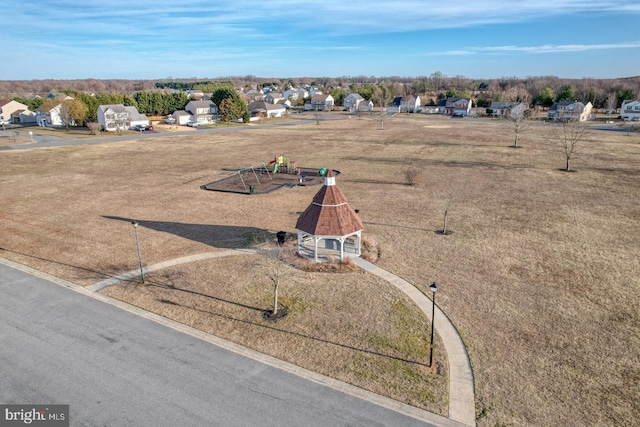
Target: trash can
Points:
x,y
281,235
251,189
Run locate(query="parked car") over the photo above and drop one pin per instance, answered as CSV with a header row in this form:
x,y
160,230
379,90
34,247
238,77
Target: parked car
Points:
x,y
193,124
148,127
139,128
457,116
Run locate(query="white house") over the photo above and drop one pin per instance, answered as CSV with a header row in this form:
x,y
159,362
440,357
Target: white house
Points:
x,y
117,117
630,110
202,111
294,94
410,104
570,110
51,117
351,101
266,110
365,106
181,117
320,103
135,118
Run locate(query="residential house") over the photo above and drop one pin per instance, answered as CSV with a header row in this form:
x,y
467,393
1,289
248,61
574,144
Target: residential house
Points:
x,y
202,111
50,117
60,96
135,118
255,95
262,109
570,110
455,106
273,97
394,107
117,117
8,107
23,116
320,103
295,94
351,101
181,117
503,108
195,94
630,110
365,106
410,104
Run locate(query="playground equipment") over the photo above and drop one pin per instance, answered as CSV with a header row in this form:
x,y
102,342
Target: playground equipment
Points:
x,y
242,174
282,164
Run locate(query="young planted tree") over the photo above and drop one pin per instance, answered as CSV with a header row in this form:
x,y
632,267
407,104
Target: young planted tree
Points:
x,y
611,103
519,125
571,135
445,201
272,263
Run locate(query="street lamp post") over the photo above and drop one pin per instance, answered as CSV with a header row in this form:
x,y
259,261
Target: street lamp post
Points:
x,y
135,227
433,288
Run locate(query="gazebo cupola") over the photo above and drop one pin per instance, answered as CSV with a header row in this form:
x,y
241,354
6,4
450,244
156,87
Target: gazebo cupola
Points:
x,y
329,225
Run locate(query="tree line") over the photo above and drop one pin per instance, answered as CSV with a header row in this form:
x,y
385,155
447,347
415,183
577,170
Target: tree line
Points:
x,y
83,107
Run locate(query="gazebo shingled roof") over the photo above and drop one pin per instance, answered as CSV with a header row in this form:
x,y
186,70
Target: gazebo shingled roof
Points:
x,y
329,214
329,219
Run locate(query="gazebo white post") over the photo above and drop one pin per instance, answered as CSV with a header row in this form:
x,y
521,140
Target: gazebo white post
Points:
x,y
341,248
299,243
315,248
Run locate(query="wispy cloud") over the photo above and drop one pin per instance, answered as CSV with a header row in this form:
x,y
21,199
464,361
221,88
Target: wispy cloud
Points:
x,y
547,48
352,37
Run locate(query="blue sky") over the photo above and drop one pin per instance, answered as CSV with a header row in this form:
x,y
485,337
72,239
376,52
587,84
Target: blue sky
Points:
x,y
157,39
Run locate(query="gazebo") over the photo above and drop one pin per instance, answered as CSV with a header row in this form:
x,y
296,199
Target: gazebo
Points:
x,y
329,225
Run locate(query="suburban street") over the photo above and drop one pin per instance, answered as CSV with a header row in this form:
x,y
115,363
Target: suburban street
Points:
x,y
114,367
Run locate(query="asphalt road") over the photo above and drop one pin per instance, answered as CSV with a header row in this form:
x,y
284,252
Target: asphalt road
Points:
x,y
114,368
48,141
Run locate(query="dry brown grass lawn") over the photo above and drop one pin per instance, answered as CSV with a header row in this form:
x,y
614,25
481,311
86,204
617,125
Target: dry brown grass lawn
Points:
x,y
541,274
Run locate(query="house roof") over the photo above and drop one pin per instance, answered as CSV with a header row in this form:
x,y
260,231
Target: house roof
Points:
x,y
501,105
202,104
134,115
321,97
354,95
329,214
118,108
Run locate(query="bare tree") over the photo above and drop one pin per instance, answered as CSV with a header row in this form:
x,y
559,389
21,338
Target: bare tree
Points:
x,y
273,264
445,201
572,135
412,174
519,125
611,103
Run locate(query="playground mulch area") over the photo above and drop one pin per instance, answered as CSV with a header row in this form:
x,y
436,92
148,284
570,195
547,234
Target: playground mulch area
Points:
x,y
261,180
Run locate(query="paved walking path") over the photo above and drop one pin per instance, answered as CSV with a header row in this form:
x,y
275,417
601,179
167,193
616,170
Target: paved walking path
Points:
x,y
461,386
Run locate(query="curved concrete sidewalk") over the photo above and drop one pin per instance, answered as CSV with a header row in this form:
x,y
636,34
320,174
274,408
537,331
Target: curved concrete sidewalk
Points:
x,y
461,386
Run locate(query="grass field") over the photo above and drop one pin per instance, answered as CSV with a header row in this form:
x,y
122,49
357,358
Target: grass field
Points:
x,y
541,274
